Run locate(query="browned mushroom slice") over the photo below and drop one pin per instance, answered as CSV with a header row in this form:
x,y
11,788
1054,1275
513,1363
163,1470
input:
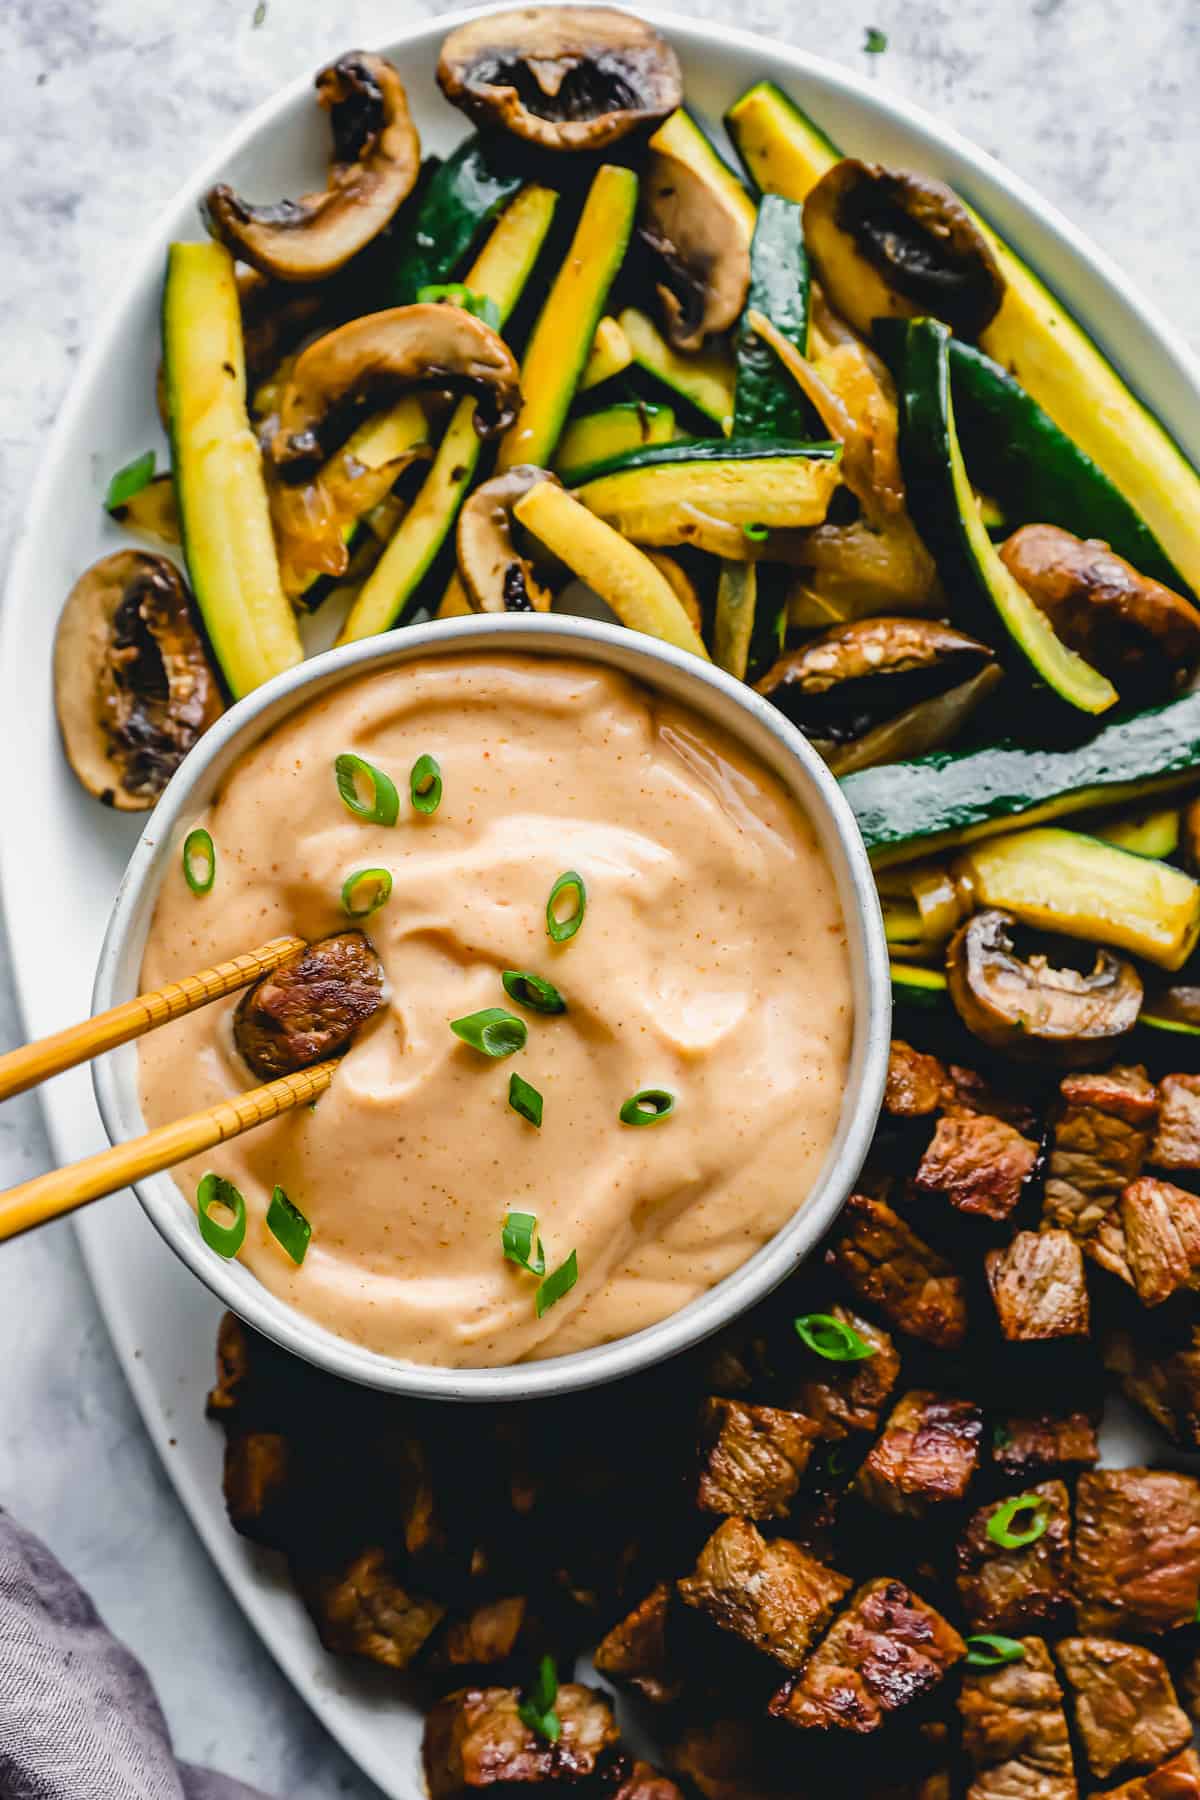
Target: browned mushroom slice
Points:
x,y
567,78
497,577
275,317
376,159
702,239
878,689
1030,1007
133,685
310,1007
887,243
1139,633
362,365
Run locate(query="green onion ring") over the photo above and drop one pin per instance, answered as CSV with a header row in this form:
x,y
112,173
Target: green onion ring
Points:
x,y
533,991
832,1338
425,784
988,1650
537,1710
516,1241
647,1107
378,883
384,805
525,1099
561,930
199,844
757,534
555,1286
288,1226
492,1031
130,480
1000,1525
214,1190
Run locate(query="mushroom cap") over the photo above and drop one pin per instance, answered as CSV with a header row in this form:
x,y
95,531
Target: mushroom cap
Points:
x,y
566,78
887,243
497,577
133,687
701,237
1031,1008
376,160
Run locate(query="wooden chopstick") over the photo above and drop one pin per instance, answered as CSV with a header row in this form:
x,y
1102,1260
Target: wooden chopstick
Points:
x,y
62,1190
24,1068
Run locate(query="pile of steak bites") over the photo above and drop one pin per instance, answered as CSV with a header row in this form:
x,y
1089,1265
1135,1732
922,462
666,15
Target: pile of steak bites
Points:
x,y
807,1576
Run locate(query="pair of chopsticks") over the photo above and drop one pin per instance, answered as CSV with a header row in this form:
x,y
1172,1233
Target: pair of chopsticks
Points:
x,y
62,1190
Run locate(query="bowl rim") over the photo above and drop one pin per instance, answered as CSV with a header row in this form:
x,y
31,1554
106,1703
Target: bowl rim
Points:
x,y
690,682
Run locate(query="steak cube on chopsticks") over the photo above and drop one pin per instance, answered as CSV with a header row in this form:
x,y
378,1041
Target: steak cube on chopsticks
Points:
x,y
884,1262
1099,1141
771,1596
751,1458
1038,1287
885,1652
1127,1717
477,1739
1014,1563
1027,1447
1015,1730
1137,1550
1161,1377
1176,1142
635,1651
927,1454
977,1162
1178,1779
843,1397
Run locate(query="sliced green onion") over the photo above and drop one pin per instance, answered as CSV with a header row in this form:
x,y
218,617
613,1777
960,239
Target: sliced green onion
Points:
x,y
365,891
1002,1530
556,1285
532,991
757,534
199,860
130,480
493,1031
482,306
832,1338
525,1099
987,1650
425,784
561,929
835,1462
214,1190
383,808
647,1107
537,1709
1001,1436
288,1226
517,1239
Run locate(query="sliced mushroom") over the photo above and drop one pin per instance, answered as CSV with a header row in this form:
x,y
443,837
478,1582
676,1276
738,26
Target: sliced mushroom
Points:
x,y
877,689
497,577
132,682
702,240
1142,635
567,78
365,364
888,243
1033,1008
376,160
275,318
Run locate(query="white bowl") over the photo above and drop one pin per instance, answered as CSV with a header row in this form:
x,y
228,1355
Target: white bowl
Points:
x,y
713,696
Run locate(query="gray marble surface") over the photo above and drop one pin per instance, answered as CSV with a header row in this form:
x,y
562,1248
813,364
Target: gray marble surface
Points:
x,y
108,103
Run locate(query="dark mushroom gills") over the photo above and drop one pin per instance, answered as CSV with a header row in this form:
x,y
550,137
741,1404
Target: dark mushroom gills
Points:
x,y
498,577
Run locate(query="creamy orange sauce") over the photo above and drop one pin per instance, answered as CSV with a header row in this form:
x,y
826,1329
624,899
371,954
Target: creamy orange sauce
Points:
x,y
711,962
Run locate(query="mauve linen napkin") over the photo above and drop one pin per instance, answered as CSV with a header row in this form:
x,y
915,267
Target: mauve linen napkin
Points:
x,y
78,1717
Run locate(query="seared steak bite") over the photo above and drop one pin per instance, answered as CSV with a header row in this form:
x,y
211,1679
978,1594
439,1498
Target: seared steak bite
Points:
x,y
1098,1145
1025,1448
1126,1715
1163,1379
726,1759
233,1367
362,1610
475,1738
641,1781
489,1634
843,1397
1161,1225
1038,1287
773,1596
635,1650
1018,1589
917,1085
979,1163
258,1473
1176,1143
1178,1779
885,1652
928,1453
889,1266
310,1007
751,1458
972,1093
1137,1550
1015,1731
